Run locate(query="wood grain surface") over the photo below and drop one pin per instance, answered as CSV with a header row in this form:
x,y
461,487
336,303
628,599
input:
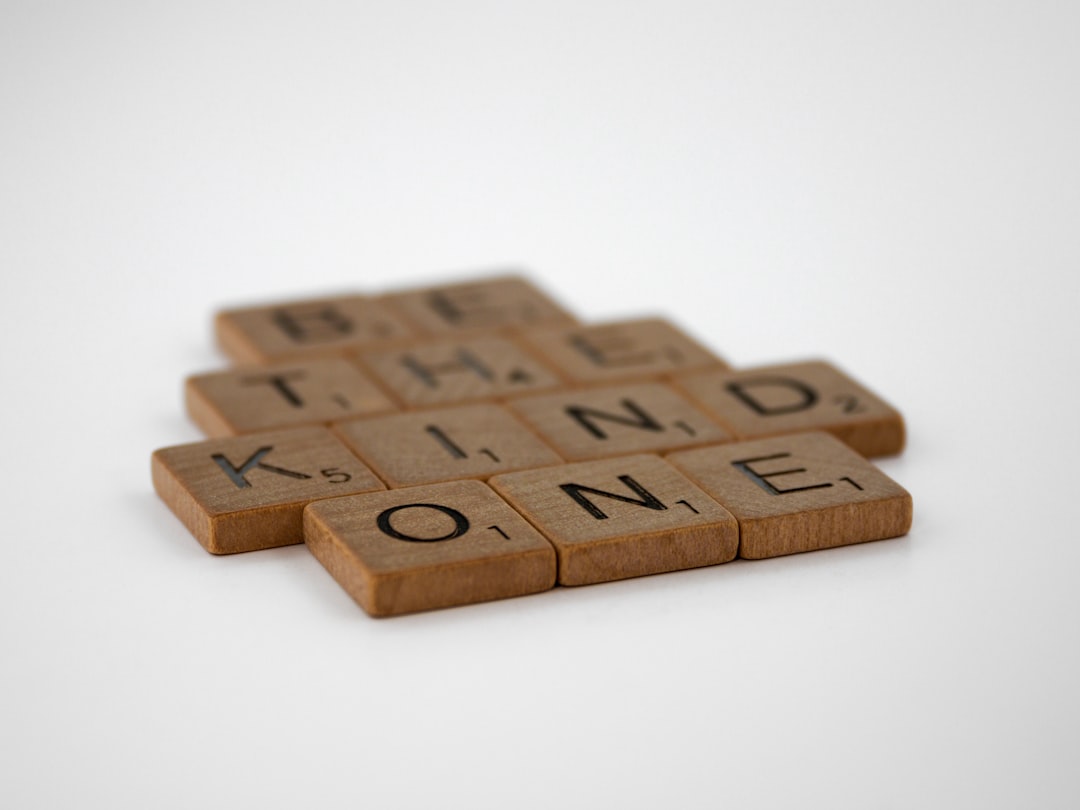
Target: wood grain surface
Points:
x,y
282,395
456,371
621,518
799,493
797,397
485,304
248,492
617,420
445,444
293,330
438,388
644,348
428,547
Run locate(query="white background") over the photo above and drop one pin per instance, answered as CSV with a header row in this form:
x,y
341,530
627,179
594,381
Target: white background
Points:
x,y
893,187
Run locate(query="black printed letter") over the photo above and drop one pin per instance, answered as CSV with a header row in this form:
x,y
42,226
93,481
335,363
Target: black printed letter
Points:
x,y
807,396
584,416
314,323
648,500
762,479
236,474
279,382
461,523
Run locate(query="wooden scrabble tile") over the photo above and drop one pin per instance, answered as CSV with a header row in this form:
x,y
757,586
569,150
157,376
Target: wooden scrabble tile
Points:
x,y
625,350
248,492
621,518
799,493
446,444
797,397
228,403
450,372
502,302
617,420
295,330
428,547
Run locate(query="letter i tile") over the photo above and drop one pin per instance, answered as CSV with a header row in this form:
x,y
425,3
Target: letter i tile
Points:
x,y
428,547
445,444
249,492
797,397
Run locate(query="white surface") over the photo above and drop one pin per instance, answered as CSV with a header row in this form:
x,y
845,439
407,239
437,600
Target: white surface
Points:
x,y
894,187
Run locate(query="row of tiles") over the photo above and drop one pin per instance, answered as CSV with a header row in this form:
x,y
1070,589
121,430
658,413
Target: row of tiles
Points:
x,y
537,366
578,423
304,328
448,371
417,548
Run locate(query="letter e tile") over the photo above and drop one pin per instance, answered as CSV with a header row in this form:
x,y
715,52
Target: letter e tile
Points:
x,y
648,348
798,493
428,547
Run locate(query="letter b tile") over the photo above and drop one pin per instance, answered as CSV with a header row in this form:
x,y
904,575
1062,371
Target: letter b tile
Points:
x,y
295,330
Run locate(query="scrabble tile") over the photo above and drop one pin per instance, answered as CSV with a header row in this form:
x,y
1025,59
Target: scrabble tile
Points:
x,y
450,372
625,350
228,403
295,330
428,547
797,397
248,492
503,302
446,444
617,420
799,493
620,518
